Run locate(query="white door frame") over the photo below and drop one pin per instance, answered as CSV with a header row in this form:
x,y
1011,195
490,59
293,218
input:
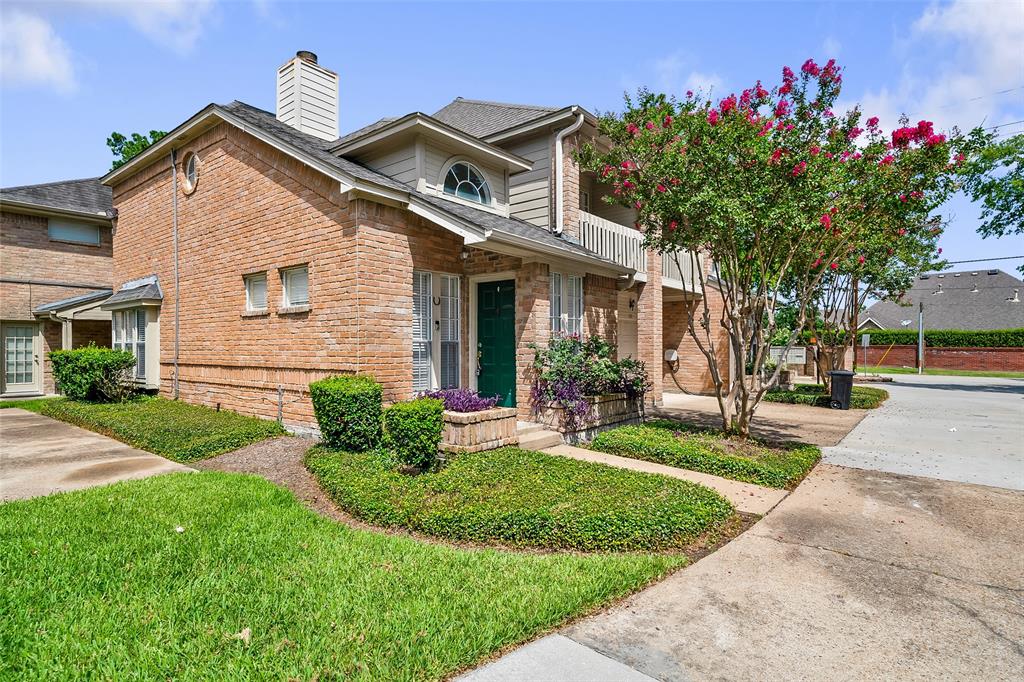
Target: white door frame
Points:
x,y
474,280
37,360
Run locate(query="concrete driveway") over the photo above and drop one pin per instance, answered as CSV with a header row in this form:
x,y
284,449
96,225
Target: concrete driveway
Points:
x,y
858,574
39,456
967,429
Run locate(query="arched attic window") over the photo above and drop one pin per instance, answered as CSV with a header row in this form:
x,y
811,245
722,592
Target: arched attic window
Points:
x,y
465,181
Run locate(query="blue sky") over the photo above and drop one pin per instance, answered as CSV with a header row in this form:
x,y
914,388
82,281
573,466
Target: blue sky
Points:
x,y
72,72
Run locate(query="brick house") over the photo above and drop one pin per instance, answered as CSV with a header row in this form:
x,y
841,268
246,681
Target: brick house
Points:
x,y
259,252
56,267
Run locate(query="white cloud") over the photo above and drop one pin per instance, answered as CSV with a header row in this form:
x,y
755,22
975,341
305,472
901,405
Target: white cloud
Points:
x,y
31,53
831,47
173,24
707,84
957,57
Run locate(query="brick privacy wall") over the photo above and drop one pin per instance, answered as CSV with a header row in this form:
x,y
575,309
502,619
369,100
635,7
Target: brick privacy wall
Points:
x,y
990,359
84,332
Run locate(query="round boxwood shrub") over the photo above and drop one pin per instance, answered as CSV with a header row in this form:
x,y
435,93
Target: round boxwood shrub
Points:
x,y
412,430
348,411
93,373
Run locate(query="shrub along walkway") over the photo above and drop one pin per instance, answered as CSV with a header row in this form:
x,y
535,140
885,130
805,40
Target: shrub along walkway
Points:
x,y
746,497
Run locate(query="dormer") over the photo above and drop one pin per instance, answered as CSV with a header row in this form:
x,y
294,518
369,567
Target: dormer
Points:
x,y
435,158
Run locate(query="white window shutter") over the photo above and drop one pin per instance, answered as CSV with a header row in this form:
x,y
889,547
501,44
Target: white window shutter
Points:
x,y
421,330
450,331
140,343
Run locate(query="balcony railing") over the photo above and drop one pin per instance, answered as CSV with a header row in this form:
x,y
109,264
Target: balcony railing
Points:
x,y
677,270
618,243
625,246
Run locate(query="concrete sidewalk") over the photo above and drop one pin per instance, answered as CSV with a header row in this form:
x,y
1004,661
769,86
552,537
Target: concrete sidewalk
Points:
x,y
746,497
41,456
856,575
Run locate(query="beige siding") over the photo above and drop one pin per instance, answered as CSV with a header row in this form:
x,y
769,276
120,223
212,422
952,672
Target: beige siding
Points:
x,y
398,163
613,212
530,191
307,98
437,157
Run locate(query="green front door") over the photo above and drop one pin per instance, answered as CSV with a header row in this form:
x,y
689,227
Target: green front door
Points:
x,y
496,340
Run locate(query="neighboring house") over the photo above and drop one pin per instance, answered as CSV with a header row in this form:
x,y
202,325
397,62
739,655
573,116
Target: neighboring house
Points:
x,y
974,300
55,269
257,252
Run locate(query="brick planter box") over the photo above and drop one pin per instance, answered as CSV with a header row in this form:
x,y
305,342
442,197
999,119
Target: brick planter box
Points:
x,y
613,409
478,431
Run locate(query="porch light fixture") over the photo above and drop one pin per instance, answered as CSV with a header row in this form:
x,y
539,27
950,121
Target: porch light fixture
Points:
x,y
465,254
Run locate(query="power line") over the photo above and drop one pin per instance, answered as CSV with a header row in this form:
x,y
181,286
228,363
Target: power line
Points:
x,y
1003,125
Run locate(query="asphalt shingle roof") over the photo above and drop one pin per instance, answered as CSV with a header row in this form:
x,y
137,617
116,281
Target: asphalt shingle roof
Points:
x,y
376,125
145,292
480,118
75,300
85,196
959,306
318,149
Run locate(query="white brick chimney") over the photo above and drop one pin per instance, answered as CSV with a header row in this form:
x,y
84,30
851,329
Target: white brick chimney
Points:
x,y
307,96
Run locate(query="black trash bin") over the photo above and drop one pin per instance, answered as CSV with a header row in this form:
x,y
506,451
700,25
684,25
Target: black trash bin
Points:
x,y
842,389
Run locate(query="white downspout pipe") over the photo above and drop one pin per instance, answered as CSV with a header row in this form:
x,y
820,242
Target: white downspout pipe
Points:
x,y
559,169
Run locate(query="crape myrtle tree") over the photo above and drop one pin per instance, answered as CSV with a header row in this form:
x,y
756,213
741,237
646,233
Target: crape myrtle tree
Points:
x,y
779,193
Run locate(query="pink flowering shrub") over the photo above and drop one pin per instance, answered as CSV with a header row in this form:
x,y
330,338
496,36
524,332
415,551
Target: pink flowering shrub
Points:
x,y
785,196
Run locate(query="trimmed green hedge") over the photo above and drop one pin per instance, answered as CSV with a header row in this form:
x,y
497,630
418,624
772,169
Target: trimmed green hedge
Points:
x,y
171,428
92,373
348,411
412,430
862,397
522,498
681,445
947,338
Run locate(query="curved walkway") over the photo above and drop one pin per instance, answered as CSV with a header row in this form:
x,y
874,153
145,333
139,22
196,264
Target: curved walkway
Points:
x,y
858,574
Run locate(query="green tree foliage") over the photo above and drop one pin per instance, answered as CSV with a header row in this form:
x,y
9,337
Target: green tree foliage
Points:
x,y
995,177
125,148
781,194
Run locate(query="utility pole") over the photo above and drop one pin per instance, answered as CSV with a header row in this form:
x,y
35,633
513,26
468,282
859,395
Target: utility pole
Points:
x,y
920,338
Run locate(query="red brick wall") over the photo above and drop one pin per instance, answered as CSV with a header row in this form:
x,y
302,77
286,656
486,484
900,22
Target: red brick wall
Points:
x,y
650,323
692,371
991,359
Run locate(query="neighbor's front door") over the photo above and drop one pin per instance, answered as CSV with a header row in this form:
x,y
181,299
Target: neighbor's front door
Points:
x,y
496,340
21,370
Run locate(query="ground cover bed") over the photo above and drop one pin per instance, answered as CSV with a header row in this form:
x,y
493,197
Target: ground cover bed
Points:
x,y
522,498
170,428
682,445
224,576
862,397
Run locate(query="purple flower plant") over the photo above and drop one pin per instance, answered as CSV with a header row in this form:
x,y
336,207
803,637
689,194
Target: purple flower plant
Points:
x,y
463,400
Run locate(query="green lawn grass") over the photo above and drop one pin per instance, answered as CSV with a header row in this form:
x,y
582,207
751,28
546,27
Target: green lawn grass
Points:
x,y
943,372
862,397
522,498
170,428
682,445
98,584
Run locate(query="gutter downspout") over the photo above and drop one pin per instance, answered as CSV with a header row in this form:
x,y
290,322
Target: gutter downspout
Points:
x,y
177,293
559,169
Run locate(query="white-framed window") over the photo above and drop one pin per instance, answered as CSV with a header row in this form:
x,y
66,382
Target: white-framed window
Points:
x,y
466,181
256,291
73,231
295,286
129,330
436,331
566,303
191,167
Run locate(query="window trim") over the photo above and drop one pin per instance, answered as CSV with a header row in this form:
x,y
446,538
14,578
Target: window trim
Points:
x,y
247,280
436,332
189,186
565,320
456,160
286,302
76,223
125,335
